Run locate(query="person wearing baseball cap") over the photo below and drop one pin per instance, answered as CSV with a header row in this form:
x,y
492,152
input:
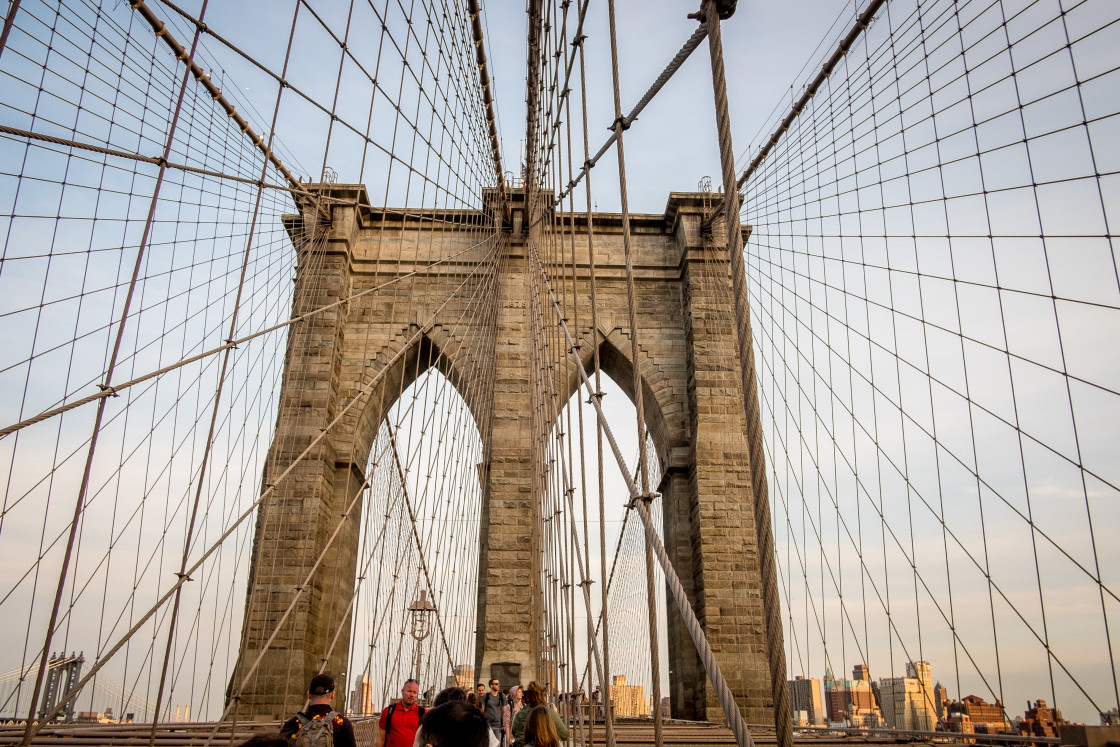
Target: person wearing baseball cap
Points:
x,y
319,717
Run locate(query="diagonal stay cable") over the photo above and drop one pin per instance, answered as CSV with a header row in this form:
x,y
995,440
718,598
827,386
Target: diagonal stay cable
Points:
x,y
117,388
707,656
861,25
200,75
365,390
416,537
685,52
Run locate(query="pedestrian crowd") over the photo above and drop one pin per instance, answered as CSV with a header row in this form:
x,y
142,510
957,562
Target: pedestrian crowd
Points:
x,y
484,717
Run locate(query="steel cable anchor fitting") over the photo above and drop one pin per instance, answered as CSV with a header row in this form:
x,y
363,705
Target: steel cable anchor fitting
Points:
x,y
724,9
647,498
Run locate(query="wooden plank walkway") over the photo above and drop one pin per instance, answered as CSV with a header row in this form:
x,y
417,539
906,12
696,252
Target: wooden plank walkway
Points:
x,y
628,733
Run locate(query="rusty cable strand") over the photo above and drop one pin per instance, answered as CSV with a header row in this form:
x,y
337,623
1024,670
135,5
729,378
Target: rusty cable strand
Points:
x,y
200,76
373,548
487,95
419,545
83,488
608,719
760,498
620,125
861,25
155,160
205,462
672,581
535,293
577,681
283,83
12,10
35,728
115,389
569,66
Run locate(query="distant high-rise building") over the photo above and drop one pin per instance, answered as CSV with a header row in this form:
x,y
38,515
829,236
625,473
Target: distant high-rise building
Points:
x,y
861,673
361,698
461,676
940,701
851,702
805,695
907,702
628,700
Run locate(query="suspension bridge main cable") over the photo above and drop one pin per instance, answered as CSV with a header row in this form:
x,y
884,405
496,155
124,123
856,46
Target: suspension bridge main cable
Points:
x,y
761,500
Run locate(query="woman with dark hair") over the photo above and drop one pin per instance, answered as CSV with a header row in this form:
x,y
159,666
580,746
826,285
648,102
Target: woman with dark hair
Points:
x,y
540,731
449,694
453,724
534,696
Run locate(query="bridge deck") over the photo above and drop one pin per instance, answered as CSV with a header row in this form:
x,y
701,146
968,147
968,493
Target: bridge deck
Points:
x,y
627,733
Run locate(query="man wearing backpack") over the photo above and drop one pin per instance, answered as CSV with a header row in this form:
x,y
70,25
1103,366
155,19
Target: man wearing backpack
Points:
x,y
399,721
492,704
319,725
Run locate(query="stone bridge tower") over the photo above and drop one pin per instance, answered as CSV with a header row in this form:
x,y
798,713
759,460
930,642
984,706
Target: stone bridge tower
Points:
x,y
693,409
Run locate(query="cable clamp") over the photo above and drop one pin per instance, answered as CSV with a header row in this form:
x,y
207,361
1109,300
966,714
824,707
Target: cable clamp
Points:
x,y
585,582
647,498
724,9
596,395
183,577
621,122
111,390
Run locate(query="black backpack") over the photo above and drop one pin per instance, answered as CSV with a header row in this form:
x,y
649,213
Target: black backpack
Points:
x,y
501,701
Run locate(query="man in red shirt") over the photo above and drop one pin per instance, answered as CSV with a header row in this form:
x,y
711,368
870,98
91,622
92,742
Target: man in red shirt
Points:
x,y
399,721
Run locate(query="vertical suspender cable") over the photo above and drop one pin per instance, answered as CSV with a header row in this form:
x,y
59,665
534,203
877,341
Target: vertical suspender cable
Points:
x,y
79,502
672,581
651,599
605,673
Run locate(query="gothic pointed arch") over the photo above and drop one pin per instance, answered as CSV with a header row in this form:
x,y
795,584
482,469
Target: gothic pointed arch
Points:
x,y
407,357
663,418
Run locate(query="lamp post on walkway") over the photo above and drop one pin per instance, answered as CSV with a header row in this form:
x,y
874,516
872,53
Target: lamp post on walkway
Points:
x,y
421,613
